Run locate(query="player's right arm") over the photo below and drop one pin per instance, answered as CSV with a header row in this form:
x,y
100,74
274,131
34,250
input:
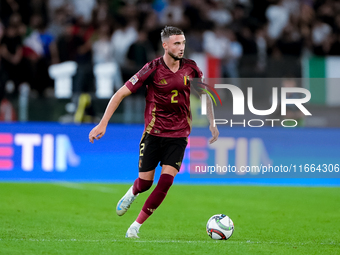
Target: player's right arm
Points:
x,y
98,131
130,86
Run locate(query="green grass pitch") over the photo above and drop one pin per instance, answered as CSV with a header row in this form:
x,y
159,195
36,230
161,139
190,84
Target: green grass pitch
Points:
x,y
77,218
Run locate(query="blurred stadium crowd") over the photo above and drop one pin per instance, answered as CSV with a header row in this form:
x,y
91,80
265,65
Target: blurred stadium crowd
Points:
x,y
250,38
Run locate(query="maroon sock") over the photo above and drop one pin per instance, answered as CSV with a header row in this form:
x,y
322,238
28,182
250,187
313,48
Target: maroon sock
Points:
x,y
158,194
140,185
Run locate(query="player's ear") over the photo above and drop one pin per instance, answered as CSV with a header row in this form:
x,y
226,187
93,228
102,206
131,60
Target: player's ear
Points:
x,y
165,45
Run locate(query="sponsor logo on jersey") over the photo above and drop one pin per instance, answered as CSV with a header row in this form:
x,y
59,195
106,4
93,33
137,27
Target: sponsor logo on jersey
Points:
x,y
133,79
163,81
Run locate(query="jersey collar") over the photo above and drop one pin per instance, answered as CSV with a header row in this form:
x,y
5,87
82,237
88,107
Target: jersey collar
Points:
x,y
180,64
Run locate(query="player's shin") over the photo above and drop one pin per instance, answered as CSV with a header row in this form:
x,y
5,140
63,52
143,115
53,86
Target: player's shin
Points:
x,y
156,197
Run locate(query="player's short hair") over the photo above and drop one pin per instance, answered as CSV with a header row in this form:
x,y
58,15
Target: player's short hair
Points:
x,y
169,31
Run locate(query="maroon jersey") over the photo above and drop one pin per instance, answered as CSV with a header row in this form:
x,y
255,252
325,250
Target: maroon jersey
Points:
x,y
167,111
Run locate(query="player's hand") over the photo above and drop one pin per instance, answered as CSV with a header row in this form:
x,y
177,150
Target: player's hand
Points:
x,y
215,133
97,132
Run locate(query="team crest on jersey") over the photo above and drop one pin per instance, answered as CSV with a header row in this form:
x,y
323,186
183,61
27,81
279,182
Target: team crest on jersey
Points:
x,y
133,79
186,79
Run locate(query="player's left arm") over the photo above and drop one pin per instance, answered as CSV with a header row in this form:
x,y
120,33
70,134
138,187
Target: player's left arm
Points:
x,y
210,114
210,109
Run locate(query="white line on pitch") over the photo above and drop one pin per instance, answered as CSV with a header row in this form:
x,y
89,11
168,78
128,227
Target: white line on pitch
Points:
x,y
163,241
80,186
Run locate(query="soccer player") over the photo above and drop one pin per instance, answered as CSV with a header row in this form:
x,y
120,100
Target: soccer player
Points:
x,y
167,122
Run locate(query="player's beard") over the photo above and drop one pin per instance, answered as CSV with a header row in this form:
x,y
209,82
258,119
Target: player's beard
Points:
x,y
174,56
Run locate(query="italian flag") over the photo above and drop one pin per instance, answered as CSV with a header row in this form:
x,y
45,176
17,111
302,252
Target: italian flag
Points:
x,y
209,65
324,80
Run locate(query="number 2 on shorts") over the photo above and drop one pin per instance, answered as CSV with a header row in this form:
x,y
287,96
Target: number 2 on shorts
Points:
x,y
142,145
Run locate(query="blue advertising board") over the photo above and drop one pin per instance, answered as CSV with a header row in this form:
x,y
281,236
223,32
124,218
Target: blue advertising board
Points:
x,y
62,152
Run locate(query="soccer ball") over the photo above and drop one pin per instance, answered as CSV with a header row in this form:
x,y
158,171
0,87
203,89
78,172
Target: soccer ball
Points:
x,y
220,227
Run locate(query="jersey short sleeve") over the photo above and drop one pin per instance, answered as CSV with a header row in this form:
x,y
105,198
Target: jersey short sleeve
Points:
x,y
193,65
137,81
198,72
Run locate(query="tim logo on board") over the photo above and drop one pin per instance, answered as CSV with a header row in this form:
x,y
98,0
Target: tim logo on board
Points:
x,y
56,151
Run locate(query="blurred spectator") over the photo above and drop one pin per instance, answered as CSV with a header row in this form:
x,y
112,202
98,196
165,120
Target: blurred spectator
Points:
x,y
249,60
72,46
68,44
219,14
55,5
12,61
40,7
194,41
278,17
43,44
101,47
153,28
293,7
129,11
195,11
234,54
83,9
101,12
290,43
261,44
16,20
247,40
216,43
306,18
320,35
58,22
103,53
173,14
84,78
140,52
217,46
259,9
242,19
9,7
84,29
326,13
250,38
121,41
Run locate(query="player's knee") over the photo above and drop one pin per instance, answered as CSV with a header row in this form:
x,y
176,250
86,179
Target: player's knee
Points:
x,y
147,187
144,185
